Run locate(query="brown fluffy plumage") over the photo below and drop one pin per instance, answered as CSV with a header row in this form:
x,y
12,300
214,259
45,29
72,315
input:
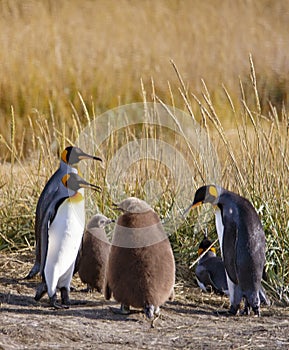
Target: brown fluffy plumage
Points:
x,y
94,253
141,267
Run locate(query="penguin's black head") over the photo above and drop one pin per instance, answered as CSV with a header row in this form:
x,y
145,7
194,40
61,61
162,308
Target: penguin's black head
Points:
x,y
72,155
74,182
206,194
204,245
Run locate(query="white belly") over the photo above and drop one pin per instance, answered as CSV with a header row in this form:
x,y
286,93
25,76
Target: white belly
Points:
x,y
220,228
64,239
220,232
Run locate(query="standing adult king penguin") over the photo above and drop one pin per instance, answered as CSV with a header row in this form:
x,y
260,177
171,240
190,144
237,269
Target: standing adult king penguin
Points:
x,y
61,233
69,159
242,243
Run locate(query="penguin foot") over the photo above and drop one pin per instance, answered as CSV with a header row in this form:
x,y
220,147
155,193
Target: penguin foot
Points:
x,y
65,301
245,311
152,313
53,303
41,290
234,309
256,311
124,309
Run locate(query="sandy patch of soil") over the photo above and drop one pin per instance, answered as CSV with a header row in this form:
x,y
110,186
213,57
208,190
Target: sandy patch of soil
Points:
x,y
190,321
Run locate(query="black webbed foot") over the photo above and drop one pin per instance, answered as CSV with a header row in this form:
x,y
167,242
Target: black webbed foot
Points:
x,y
65,301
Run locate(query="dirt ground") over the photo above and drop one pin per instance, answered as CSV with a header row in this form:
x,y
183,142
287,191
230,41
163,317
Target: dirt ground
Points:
x,y
190,322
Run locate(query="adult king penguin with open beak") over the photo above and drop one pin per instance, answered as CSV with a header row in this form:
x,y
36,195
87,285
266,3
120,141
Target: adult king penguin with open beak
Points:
x,y
61,234
70,157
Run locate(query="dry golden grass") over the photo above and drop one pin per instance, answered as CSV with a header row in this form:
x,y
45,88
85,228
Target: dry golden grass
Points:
x,y
50,50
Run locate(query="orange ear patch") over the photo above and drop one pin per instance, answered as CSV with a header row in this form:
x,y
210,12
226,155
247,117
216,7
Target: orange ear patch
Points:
x,y
64,156
200,251
65,179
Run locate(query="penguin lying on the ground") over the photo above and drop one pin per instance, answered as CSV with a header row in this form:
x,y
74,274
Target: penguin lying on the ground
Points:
x,y
141,266
69,158
242,242
61,233
94,253
210,270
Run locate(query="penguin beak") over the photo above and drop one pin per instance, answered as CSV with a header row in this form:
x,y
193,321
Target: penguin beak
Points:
x,y
194,205
88,156
91,186
116,207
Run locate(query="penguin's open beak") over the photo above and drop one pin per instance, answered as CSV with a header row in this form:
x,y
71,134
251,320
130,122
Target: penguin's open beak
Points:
x,y
91,186
88,156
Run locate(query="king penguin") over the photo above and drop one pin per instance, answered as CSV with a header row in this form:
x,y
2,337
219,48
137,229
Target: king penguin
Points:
x,y
141,266
210,270
69,158
242,241
62,230
94,253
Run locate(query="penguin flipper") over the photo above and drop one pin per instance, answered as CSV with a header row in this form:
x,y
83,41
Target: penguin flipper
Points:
x,y
230,238
44,200
203,277
46,222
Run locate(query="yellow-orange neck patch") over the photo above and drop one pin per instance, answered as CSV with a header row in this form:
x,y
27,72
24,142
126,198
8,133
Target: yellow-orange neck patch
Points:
x,y
77,197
